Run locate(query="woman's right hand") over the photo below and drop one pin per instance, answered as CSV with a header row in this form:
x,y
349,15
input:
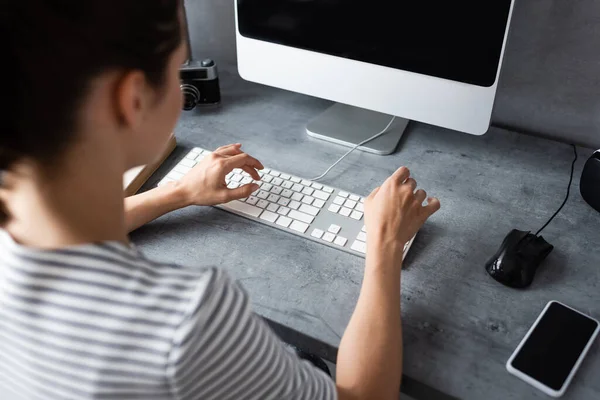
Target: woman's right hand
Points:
x,y
394,213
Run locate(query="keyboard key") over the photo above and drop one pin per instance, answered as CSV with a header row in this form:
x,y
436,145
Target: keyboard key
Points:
x,y
283,211
295,179
287,193
238,171
277,181
273,198
318,203
237,178
297,187
350,204
285,176
299,226
334,208
287,184
297,196
295,205
360,207
283,201
165,181
328,237
175,175
252,200
317,233
229,175
192,155
246,180
233,185
244,208
354,197
341,241
343,194
306,182
266,170
262,204
186,162
317,186
309,209
308,191
356,215
308,219
182,169
267,187
269,216
276,190
335,229
362,237
339,201
308,199
361,247
364,229
273,207
284,221
321,195
262,195
345,212
327,189
274,173
267,178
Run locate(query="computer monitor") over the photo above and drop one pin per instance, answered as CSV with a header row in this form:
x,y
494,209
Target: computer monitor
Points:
x,y
435,61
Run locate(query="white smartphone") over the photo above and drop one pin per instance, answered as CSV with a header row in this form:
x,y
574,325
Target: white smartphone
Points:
x,y
553,349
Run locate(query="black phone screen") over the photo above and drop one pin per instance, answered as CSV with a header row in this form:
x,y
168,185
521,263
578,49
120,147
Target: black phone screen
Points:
x,y
555,345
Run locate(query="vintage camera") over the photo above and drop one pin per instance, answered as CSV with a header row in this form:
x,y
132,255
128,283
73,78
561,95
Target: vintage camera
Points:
x,y
200,84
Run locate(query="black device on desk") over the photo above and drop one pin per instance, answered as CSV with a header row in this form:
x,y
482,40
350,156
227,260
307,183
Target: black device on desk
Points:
x,y
590,181
520,254
200,84
551,352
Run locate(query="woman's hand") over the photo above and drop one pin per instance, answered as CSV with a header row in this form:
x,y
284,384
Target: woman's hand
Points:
x,y
205,184
394,213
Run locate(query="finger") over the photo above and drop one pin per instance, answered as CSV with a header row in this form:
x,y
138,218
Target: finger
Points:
x,y
241,192
420,196
401,174
229,150
433,205
412,183
242,160
252,172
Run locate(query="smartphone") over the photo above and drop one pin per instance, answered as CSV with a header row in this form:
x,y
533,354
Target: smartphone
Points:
x,y
553,349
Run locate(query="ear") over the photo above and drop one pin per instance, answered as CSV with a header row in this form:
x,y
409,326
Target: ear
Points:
x,y
132,99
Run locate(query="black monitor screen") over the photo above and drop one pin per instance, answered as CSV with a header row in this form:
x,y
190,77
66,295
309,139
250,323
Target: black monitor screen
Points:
x,y
456,40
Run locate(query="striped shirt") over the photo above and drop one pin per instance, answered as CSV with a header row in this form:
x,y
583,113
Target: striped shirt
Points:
x,y
100,321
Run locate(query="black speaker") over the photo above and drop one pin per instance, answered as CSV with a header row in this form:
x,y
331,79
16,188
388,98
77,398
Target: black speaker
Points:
x,y
590,181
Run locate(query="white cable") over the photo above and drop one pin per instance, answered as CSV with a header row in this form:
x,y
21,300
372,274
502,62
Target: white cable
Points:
x,y
318,178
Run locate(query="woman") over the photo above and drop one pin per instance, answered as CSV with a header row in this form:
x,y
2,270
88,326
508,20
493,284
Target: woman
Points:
x,y
91,89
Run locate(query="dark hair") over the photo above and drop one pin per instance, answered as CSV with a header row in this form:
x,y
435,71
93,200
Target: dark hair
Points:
x,y
54,48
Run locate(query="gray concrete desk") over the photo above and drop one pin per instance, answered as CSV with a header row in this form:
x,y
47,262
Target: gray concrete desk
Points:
x,y
460,326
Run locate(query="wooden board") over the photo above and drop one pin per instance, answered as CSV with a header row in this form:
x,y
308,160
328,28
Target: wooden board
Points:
x,y
135,178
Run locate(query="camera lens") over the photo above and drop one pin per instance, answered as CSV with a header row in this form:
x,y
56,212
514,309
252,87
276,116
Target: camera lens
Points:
x,y
191,97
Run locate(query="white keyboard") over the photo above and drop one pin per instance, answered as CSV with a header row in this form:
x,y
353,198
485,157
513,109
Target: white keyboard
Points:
x,y
295,205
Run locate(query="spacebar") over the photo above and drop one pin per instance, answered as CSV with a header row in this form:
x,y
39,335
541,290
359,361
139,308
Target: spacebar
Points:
x,y
243,208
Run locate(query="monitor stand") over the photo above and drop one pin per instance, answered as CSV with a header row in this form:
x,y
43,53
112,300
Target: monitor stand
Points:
x,y
348,126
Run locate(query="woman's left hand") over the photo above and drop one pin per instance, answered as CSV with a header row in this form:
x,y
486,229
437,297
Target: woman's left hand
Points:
x,y
205,184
